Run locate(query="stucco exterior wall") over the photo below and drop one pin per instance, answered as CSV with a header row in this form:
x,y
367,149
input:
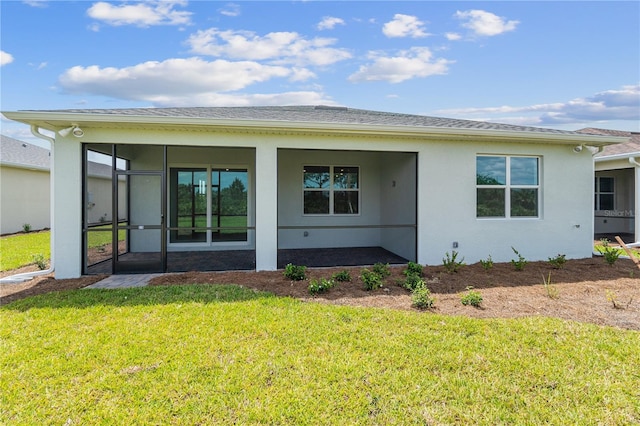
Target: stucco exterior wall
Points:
x,y
25,199
446,192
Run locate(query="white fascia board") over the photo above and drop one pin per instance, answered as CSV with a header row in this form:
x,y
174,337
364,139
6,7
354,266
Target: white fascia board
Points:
x,y
24,166
617,156
55,121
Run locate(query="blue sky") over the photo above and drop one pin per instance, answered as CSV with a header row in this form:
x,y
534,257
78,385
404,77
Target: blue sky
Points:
x,y
566,65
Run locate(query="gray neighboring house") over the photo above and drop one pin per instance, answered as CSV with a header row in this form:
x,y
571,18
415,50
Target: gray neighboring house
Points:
x,y
24,186
617,187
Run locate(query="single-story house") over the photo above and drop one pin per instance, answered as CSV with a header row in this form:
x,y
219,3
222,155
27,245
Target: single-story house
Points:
x,y
255,187
617,187
25,188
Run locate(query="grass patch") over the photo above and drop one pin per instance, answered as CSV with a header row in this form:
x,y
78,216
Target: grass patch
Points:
x,y
223,354
18,249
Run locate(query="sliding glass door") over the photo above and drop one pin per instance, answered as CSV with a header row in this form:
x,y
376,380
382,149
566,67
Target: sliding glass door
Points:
x,y
208,205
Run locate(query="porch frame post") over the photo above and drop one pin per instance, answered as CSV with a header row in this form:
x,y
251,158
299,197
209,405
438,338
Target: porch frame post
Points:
x,y
266,208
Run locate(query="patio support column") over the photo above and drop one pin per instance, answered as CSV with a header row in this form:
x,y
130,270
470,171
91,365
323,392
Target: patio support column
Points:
x,y
67,205
266,208
421,207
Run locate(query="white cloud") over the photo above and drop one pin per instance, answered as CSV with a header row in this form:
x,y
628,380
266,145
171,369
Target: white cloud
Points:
x,y
404,26
244,99
231,9
619,104
484,23
413,63
145,14
171,79
5,58
453,36
36,3
277,47
329,23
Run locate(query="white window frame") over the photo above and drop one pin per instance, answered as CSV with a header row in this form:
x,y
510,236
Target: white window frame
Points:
x,y
508,187
331,190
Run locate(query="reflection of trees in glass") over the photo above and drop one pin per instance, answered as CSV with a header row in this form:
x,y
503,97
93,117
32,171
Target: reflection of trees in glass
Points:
x,y
345,177
233,199
316,180
490,202
524,202
486,180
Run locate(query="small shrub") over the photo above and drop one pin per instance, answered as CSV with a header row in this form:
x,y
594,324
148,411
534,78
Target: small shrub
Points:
x,y
421,297
295,272
471,297
40,261
321,286
558,261
413,268
26,228
451,262
382,269
371,279
342,276
552,292
487,264
610,254
520,263
412,281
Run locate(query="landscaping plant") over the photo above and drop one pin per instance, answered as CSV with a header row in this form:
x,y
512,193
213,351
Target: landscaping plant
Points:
x,y
520,263
451,263
382,269
421,297
552,291
26,228
413,268
558,261
295,272
320,286
487,264
471,297
412,281
371,279
40,261
342,276
610,253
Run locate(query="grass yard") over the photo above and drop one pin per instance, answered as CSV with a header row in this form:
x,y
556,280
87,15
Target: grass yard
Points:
x,y
225,355
18,250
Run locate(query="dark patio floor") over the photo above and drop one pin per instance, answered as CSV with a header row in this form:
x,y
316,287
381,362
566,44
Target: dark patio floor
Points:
x,y
246,259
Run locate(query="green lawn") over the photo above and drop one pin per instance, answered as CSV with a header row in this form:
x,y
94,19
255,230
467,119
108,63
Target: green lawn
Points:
x,y
18,250
224,355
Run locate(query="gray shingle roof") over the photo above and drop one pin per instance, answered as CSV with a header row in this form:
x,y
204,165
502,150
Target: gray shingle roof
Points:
x,y
15,152
312,114
631,146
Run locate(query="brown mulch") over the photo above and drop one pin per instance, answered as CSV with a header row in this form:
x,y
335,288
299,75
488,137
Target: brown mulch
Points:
x,y
587,289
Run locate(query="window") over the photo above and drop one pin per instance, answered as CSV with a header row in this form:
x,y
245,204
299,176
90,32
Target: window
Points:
x,y
331,190
604,193
196,219
507,187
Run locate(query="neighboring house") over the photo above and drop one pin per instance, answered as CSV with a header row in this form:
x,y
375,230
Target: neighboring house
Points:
x,y
210,183
617,186
24,186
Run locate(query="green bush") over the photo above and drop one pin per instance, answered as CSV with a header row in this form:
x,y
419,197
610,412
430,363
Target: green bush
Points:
x,y
413,268
520,263
26,228
471,297
611,254
382,269
412,281
421,296
320,286
295,272
487,264
40,261
342,276
451,262
371,280
558,261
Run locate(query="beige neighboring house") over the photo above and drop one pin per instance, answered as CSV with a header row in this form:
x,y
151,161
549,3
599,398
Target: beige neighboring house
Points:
x,y
617,187
25,188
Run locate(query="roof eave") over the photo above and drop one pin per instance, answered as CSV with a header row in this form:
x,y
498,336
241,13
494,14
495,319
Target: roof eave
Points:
x,y
615,157
55,121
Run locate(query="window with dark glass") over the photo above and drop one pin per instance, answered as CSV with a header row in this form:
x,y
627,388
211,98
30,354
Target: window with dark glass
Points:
x,y
507,187
331,190
604,193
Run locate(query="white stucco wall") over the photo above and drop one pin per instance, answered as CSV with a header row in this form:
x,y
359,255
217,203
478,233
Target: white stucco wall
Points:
x,y
25,199
446,201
